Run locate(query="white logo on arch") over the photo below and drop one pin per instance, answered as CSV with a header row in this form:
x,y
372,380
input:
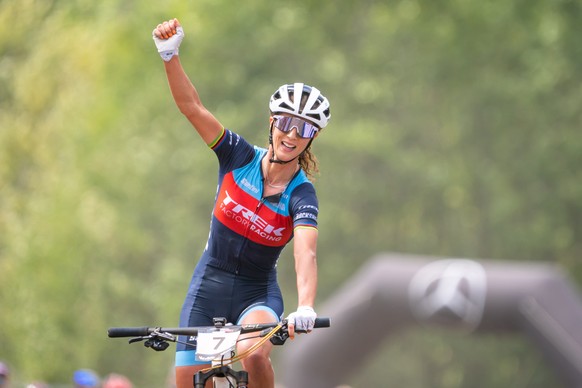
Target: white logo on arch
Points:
x,y
450,292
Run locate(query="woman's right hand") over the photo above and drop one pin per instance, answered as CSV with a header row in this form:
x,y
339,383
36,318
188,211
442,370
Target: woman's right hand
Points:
x,y
167,37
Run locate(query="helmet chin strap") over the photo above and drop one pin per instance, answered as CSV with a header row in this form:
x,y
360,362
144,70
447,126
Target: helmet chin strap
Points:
x,y
273,158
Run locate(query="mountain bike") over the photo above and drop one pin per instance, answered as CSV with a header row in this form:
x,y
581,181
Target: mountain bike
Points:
x,y
215,344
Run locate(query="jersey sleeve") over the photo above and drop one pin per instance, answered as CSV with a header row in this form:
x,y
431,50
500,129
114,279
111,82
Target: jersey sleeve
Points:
x,y
304,206
232,150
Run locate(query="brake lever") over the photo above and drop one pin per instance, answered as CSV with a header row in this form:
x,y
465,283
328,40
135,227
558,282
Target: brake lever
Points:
x,y
137,339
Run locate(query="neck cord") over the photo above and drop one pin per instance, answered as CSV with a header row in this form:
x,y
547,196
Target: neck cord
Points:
x,y
272,185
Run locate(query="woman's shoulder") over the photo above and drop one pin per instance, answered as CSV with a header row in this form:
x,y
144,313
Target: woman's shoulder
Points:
x,y
301,186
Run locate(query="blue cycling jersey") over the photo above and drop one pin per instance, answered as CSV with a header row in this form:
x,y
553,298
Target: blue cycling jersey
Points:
x,y
248,231
236,273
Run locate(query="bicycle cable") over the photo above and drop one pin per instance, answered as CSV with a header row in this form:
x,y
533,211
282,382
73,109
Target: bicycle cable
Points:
x,y
232,360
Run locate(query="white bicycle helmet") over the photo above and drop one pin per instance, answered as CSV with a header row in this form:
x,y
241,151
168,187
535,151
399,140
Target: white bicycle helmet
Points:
x,y
311,105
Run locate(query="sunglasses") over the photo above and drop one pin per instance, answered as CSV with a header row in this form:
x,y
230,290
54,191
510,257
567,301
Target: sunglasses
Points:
x,y
286,124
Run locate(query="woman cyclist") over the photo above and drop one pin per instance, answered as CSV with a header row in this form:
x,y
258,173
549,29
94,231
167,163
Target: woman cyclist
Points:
x,y
264,200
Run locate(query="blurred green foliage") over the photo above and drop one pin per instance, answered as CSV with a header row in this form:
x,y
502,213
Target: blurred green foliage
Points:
x,y
455,132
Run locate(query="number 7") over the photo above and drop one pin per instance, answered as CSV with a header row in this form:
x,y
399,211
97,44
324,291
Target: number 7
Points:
x,y
219,340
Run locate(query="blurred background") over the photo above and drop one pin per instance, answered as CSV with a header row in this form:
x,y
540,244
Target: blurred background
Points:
x,y
455,131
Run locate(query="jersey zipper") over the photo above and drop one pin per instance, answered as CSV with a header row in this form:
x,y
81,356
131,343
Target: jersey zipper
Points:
x,y
246,235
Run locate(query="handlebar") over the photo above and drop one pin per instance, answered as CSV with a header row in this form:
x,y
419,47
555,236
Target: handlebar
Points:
x,y
157,338
144,331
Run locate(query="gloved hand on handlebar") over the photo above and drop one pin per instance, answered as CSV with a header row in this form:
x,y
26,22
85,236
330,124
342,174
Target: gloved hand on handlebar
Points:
x,y
303,319
167,37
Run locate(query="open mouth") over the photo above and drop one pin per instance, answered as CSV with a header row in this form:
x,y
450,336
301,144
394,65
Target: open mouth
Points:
x,y
288,146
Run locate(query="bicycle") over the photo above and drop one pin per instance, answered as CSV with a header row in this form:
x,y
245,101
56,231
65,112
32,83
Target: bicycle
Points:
x,y
214,343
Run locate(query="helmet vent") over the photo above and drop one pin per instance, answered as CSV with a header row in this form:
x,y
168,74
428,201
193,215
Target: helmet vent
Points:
x,y
313,116
285,106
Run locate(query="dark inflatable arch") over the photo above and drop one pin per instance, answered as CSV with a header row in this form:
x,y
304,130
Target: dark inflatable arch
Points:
x,y
393,291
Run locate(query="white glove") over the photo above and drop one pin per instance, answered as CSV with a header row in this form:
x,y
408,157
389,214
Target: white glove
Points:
x,y
303,318
169,47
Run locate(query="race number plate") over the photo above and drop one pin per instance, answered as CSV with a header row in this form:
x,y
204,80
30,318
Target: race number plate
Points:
x,y
214,343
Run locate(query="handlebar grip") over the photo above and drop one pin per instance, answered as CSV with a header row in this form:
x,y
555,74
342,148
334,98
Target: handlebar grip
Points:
x,y
322,322
319,323
115,332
